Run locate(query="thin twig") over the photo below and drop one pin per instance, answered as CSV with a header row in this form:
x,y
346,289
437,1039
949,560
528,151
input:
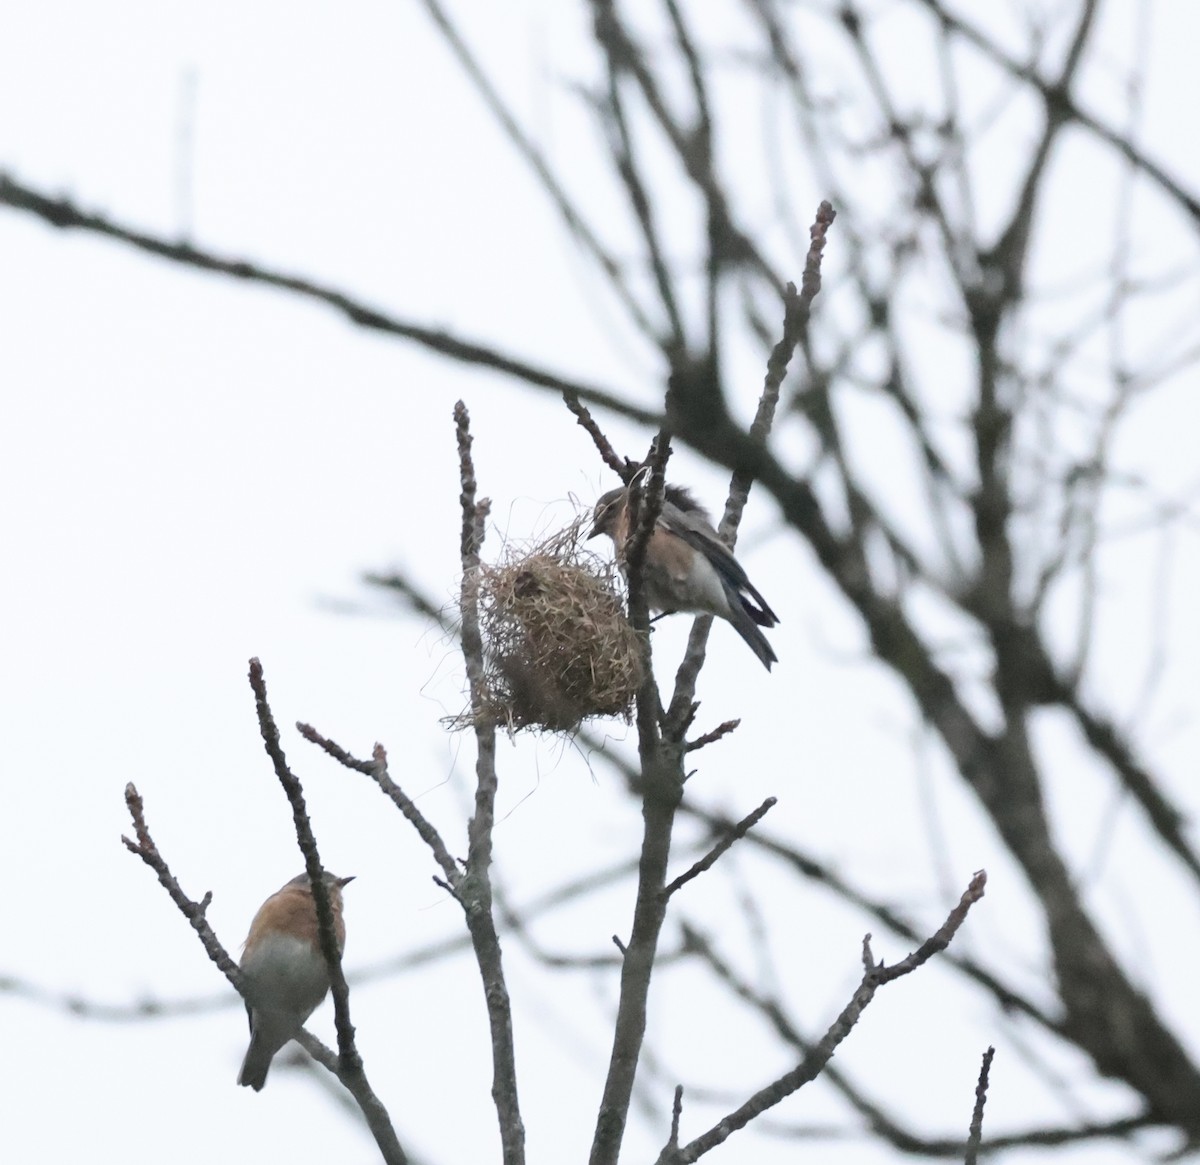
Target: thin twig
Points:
x,y
672,1145
646,494
474,514
377,769
326,932
520,141
722,729
625,164
796,313
621,466
742,828
194,912
417,599
940,940
975,1135
647,491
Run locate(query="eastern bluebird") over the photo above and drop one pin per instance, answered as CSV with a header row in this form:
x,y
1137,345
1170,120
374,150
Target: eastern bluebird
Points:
x,y
688,568
284,974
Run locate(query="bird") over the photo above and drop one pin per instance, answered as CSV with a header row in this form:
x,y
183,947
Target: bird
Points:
x,y
688,568
284,973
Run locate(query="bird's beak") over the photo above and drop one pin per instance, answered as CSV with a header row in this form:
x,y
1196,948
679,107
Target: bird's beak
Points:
x,y
596,531
343,881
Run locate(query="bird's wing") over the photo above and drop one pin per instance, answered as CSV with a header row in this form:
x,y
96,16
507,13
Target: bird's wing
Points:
x,y
695,529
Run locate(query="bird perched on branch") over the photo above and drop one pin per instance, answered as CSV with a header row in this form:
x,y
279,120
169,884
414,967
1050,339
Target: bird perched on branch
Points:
x,y
284,973
687,566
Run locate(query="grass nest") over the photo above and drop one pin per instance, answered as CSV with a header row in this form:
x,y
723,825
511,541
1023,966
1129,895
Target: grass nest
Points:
x,y
558,649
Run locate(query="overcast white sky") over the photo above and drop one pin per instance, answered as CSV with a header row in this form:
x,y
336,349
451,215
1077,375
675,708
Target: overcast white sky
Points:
x,y
190,468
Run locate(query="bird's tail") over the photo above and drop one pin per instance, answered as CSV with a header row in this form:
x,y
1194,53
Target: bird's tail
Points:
x,y
255,1066
747,626
268,1033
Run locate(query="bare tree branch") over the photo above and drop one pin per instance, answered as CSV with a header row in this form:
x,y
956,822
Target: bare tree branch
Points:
x,y
567,209
194,912
63,213
874,976
1066,107
662,769
474,887
350,1065
684,404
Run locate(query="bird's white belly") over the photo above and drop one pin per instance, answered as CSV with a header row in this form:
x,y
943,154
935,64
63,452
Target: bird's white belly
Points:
x,y
697,590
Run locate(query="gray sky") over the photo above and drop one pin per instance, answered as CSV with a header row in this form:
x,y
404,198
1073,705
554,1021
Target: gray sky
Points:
x,y
189,469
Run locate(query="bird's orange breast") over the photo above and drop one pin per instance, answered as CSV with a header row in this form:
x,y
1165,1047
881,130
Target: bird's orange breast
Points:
x,y
293,911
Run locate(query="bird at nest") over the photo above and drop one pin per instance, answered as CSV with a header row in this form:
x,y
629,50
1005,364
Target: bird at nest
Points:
x,y
688,568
